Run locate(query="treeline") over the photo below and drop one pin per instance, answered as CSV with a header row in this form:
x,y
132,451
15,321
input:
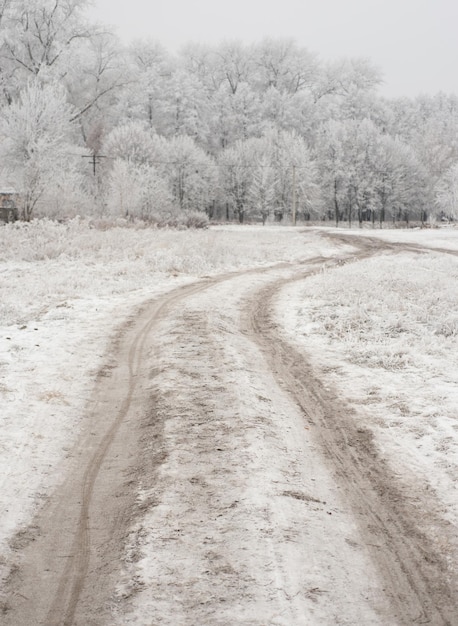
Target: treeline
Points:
x,y
262,131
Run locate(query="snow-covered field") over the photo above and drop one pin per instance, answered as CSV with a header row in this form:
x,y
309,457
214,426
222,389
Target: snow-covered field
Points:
x,y
384,331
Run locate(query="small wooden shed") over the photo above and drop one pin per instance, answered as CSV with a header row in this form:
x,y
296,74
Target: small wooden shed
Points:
x,y
8,208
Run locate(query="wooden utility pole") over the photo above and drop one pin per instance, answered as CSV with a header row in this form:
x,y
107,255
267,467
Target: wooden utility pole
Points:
x,y
294,195
94,160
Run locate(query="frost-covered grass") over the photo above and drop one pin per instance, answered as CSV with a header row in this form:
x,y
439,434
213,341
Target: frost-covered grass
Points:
x,y
386,308
44,263
385,332
192,249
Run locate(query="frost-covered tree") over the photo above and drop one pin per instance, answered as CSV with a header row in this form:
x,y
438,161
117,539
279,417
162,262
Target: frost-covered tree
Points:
x,y
436,136
429,124
335,180
277,166
296,176
345,78
157,202
190,172
37,143
268,113
132,142
95,81
137,191
198,60
365,172
184,107
400,181
261,191
291,112
124,192
52,41
232,64
447,194
281,64
235,176
39,38
234,116
150,70
39,34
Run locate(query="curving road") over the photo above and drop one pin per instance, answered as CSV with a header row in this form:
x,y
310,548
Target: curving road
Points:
x,y
263,499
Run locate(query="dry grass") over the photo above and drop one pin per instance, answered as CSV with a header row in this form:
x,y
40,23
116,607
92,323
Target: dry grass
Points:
x,y
43,264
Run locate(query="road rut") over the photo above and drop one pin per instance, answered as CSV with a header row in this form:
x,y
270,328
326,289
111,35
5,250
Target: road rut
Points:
x,y
416,576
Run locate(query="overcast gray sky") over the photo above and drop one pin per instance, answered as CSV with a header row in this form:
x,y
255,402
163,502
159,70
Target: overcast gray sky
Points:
x,y
415,42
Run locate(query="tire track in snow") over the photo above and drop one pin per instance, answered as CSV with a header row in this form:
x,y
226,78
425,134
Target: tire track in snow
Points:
x,y
51,584
417,578
73,548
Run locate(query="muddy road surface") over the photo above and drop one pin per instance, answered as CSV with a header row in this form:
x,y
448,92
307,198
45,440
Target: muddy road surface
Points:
x,y
218,481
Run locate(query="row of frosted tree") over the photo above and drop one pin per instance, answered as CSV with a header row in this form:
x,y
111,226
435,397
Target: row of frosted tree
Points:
x,y
264,131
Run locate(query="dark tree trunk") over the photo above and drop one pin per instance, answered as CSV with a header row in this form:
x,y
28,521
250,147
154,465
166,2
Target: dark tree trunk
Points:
x,y
336,204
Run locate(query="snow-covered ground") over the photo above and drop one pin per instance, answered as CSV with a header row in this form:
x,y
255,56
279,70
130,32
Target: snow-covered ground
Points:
x,y
243,523
383,330
65,289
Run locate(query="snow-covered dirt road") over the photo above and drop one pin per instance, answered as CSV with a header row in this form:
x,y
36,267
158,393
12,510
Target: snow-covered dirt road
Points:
x,y
218,481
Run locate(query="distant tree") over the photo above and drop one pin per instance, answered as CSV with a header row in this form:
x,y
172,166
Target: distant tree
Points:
x,y
124,192
261,191
137,191
346,77
429,124
185,108
447,194
150,70
190,172
51,41
65,196
277,108
41,39
95,79
281,64
157,202
232,64
296,175
133,142
365,172
37,142
332,161
198,59
269,173
235,177
275,118
400,181
234,116
436,136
